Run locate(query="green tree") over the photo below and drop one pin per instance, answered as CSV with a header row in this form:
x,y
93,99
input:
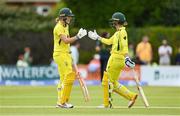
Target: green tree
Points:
x,y
95,13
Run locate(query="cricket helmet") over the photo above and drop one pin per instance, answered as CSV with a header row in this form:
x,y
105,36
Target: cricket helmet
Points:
x,y
65,12
119,17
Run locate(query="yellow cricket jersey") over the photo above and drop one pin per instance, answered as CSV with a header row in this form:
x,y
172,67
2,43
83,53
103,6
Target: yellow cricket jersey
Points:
x,y
119,42
59,45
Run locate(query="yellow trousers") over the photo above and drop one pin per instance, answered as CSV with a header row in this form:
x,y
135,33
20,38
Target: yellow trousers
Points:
x,y
115,65
67,77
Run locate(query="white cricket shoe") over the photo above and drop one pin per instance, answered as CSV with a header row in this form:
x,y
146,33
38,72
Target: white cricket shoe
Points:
x,y
131,103
102,106
65,105
70,105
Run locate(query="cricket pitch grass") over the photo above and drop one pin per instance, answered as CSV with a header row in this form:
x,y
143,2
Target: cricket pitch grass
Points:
x,y
41,101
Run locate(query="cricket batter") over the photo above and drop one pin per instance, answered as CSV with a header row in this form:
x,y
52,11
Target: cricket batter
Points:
x,y
117,61
62,55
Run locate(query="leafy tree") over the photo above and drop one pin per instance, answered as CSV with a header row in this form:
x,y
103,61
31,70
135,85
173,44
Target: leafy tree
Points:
x,y
95,13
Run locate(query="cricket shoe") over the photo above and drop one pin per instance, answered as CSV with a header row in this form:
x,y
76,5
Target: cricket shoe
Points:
x,y
65,105
131,103
102,106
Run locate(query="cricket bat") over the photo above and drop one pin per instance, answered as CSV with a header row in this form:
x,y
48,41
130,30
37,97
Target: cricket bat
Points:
x,y
83,86
140,89
84,89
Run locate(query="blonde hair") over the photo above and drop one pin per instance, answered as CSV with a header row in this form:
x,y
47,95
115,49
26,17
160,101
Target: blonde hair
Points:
x,y
57,19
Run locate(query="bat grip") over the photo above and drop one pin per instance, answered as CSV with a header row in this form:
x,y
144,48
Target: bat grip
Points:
x,y
135,77
76,68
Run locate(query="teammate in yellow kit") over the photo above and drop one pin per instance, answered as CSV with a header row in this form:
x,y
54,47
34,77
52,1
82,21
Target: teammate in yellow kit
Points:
x,y
62,55
117,61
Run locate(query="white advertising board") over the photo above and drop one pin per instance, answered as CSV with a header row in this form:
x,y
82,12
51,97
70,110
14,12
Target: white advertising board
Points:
x,y
161,75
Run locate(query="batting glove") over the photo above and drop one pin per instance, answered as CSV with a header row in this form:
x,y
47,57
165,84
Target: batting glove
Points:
x,y
82,32
94,35
129,62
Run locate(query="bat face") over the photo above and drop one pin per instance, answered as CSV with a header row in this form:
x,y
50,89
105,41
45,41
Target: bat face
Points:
x,y
84,89
143,96
140,89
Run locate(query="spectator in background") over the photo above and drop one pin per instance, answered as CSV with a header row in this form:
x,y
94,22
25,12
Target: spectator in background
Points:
x,y
177,58
165,52
94,64
21,62
27,55
144,51
104,53
74,52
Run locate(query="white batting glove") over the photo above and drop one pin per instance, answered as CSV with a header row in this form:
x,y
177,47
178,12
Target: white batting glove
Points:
x,y
129,62
81,33
94,35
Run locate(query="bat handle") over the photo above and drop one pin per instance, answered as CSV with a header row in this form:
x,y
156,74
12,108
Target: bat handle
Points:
x,y
75,67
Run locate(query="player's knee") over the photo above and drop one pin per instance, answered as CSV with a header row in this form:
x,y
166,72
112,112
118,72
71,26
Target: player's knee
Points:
x,y
117,86
69,79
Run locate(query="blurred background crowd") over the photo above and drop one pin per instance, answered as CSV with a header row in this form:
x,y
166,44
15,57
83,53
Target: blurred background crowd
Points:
x,y
26,37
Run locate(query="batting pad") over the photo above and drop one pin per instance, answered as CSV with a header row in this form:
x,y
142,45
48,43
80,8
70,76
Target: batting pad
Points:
x,y
123,91
67,87
105,85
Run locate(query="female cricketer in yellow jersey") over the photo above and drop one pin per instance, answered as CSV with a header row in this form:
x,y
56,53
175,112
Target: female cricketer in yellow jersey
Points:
x,y
117,61
62,55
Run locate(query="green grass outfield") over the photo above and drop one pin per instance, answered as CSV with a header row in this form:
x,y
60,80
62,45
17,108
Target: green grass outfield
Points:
x,y
41,101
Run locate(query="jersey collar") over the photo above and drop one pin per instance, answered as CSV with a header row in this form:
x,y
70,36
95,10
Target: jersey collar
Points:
x,y
61,24
121,28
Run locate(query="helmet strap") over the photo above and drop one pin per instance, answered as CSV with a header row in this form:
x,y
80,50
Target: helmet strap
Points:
x,y
65,21
114,24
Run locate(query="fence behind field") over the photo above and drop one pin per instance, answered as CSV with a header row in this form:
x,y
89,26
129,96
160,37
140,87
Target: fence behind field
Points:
x,y
47,75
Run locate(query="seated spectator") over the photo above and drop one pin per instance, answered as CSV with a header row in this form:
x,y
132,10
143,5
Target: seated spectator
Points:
x,y
21,62
27,55
177,60
94,64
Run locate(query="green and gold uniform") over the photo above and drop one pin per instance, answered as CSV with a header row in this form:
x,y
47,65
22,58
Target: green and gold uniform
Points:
x,y
116,63
63,59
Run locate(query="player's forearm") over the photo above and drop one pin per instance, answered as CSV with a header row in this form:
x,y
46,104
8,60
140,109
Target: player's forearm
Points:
x,y
72,39
69,40
106,41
